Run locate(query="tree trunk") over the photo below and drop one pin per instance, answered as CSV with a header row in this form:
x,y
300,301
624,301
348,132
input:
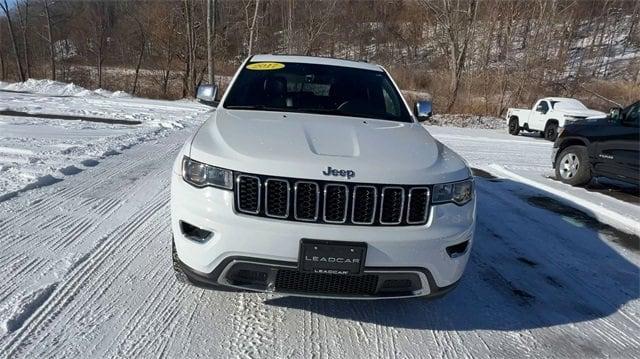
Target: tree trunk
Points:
x,y
138,64
143,44
5,8
25,36
52,59
211,22
252,30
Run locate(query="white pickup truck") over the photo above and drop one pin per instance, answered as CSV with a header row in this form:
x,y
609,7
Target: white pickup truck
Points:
x,y
547,115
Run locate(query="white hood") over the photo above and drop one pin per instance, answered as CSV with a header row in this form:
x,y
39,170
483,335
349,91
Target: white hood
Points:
x,y
581,112
304,145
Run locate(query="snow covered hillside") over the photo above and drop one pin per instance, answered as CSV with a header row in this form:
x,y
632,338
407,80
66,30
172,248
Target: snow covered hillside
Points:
x,y
87,271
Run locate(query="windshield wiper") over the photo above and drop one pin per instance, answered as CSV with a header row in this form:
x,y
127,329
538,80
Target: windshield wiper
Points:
x,y
254,107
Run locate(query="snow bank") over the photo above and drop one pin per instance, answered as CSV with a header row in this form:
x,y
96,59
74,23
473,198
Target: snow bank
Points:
x,y
467,121
55,88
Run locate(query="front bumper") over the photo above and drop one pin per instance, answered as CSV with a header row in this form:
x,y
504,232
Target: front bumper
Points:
x,y
417,254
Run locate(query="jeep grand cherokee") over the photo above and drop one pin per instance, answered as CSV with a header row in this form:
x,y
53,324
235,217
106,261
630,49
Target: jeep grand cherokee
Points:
x,y
313,177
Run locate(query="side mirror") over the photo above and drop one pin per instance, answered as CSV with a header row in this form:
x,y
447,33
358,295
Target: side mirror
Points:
x,y
423,110
207,93
614,114
540,109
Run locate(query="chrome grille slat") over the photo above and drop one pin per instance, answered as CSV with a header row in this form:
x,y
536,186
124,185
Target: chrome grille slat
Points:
x,y
274,203
331,202
243,197
422,218
312,195
387,215
340,206
360,201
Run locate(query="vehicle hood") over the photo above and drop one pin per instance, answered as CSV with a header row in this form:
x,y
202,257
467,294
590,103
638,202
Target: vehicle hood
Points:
x,y
305,145
581,113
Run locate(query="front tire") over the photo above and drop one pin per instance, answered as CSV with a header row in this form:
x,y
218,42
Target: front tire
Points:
x,y
514,126
177,266
572,166
551,131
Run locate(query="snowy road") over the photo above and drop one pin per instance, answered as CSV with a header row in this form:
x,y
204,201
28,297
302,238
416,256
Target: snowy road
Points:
x,y
86,273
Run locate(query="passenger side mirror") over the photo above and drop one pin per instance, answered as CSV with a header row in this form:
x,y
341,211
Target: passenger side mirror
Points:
x,y
207,94
423,110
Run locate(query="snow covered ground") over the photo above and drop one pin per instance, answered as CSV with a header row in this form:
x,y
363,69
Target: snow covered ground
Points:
x,y
36,151
86,264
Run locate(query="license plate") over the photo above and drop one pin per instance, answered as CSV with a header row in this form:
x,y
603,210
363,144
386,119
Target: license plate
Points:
x,y
332,257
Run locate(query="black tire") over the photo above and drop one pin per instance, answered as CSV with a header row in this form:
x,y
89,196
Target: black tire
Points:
x,y
575,174
551,131
177,265
514,128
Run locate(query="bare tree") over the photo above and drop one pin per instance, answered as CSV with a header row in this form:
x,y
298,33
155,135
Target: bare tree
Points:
x,y
211,33
458,25
99,18
24,24
7,12
252,28
190,58
52,58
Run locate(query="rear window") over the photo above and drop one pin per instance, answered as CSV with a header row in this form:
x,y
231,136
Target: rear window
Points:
x,y
313,88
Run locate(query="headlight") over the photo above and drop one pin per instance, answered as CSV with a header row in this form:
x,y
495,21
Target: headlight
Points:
x,y
201,175
458,192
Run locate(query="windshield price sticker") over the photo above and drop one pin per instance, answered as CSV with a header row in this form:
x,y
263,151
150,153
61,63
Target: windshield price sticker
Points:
x,y
265,66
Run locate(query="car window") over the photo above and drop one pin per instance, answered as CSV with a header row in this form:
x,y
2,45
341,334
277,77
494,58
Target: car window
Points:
x,y
544,106
314,88
632,115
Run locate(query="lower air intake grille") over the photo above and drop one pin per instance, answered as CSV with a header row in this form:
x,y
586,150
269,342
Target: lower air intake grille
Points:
x,y
288,280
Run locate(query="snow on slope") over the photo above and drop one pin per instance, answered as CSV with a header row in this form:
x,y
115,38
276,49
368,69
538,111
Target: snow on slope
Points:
x,y
40,151
87,273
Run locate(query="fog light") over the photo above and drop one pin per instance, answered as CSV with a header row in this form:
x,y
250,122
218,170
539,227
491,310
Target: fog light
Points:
x,y
457,250
194,233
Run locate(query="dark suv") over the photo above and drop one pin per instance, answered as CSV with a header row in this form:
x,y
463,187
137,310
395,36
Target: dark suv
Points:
x,y
604,147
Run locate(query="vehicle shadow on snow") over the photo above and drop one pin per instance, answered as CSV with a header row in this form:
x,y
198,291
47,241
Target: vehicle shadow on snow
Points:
x,y
536,262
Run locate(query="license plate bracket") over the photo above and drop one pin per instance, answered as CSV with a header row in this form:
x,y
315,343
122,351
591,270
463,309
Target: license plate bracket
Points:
x,y
332,257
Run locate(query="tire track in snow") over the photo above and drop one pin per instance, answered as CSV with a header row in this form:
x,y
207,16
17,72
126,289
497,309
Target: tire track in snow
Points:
x,y
63,296
253,327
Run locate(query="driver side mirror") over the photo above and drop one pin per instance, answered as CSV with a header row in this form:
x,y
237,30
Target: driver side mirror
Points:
x,y
615,114
423,110
207,94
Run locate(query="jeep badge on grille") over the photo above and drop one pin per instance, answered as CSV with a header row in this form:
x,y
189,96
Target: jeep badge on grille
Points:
x,y
339,173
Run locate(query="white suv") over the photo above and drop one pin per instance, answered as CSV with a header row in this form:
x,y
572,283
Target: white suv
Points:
x,y
313,177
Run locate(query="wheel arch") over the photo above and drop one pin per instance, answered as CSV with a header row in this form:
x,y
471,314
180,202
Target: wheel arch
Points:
x,y
550,121
570,141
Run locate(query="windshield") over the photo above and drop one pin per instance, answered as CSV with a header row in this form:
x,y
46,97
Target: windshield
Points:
x,y
568,105
311,88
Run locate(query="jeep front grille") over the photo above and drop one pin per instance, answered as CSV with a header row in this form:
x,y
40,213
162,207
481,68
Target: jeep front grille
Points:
x,y
331,202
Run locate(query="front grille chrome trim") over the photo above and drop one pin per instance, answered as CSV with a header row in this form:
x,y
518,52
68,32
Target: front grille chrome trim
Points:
x,y
427,206
238,193
353,204
346,204
384,189
266,198
295,201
